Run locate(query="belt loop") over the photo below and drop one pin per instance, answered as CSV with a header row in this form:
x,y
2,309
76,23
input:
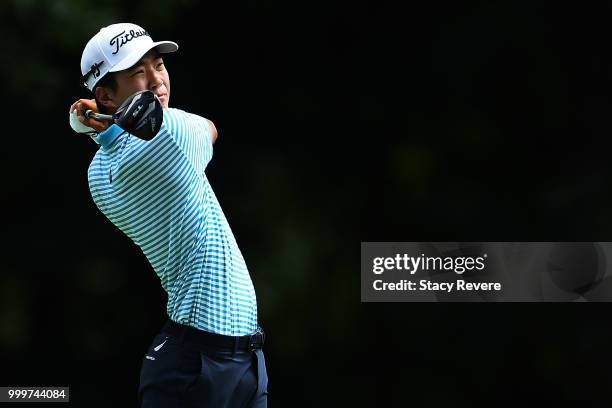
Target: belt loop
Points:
x,y
236,342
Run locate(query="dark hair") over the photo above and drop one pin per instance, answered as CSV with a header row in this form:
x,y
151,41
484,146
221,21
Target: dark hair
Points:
x,y
107,81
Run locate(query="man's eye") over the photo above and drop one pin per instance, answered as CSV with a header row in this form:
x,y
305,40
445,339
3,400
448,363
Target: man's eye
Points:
x,y
160,65
140,71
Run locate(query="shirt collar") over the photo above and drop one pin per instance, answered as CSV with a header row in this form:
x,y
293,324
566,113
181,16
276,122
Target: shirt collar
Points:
x,y
109,136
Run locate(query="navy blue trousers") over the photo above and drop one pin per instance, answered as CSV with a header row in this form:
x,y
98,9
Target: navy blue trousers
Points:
x,y
176,373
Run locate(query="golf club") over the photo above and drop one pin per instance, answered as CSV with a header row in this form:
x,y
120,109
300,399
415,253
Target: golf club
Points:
x,y
140,114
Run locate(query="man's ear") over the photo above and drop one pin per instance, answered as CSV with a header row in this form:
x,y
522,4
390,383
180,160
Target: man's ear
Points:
x,y
106,97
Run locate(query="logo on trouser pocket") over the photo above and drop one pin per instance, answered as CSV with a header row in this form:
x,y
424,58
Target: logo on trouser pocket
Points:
x,y
157,348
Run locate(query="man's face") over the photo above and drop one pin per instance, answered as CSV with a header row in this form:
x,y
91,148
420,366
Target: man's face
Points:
x,y
147,74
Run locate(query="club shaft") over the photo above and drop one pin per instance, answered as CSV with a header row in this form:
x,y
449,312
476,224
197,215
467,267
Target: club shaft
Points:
x,y
98,116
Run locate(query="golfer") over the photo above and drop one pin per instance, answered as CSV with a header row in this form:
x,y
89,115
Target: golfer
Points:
x,y
209,353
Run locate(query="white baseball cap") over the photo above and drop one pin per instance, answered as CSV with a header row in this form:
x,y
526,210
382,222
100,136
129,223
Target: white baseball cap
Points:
x,y
115,48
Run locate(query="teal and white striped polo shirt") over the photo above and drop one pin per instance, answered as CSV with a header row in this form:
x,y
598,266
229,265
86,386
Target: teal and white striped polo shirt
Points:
x,y
157,193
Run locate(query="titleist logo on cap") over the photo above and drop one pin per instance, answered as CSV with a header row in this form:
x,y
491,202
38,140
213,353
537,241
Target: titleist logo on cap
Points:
x,y
122,38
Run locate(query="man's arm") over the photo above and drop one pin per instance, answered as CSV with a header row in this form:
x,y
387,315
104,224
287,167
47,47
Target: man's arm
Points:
x,y
83,104
213,130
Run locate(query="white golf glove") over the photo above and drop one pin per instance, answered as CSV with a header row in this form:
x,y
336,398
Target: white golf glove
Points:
x,y
79,127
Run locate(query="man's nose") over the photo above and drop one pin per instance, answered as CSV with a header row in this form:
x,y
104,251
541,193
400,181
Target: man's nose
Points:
x,y
155,81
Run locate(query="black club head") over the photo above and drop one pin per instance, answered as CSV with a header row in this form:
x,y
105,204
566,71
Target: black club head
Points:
x,y
141,114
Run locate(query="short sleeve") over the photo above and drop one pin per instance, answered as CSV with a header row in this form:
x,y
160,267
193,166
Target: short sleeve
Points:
x,y
192,134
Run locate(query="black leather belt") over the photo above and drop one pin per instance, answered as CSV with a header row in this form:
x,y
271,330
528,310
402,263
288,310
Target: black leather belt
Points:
x,y
189,334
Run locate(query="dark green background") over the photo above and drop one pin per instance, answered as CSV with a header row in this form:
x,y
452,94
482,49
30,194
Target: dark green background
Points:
x,y
339,123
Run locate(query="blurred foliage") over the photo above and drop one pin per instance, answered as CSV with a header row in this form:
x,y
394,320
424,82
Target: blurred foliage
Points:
x,y
46,32
478,121
86,299
14,310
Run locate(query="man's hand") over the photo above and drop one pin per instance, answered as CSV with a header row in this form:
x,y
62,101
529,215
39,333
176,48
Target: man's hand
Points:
x,y
81,106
